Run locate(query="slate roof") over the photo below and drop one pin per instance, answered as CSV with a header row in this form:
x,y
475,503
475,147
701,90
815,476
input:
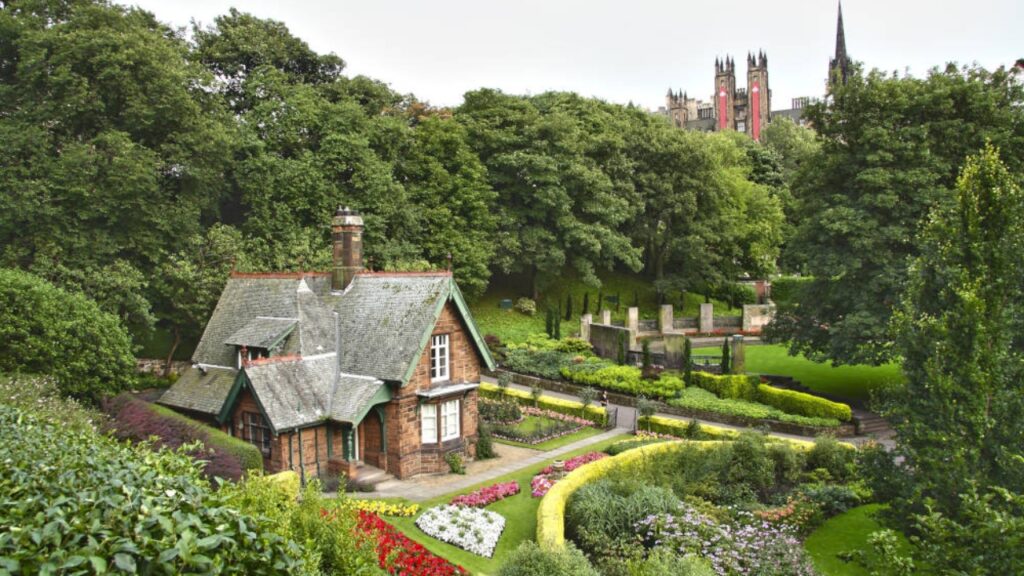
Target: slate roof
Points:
x,y
384,319
262,332
344,347
201,392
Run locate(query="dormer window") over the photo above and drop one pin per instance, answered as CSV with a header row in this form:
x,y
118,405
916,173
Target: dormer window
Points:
x,y
251,354
439,358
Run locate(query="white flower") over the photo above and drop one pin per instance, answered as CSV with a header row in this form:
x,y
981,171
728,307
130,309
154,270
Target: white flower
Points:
x,y
473,529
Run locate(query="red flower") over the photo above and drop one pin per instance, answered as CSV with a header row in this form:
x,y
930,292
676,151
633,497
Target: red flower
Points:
x,y
399,555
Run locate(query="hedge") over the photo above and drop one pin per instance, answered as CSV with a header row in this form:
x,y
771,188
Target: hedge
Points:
x,y
138,420
794,402
677,428
741,411
595,414
626,379
742,387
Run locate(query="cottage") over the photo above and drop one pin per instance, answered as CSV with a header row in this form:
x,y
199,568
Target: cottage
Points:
x,y
331,371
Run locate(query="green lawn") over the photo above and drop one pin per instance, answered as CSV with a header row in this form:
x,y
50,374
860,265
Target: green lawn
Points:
x,y
513,326
851,381
844,533
520,512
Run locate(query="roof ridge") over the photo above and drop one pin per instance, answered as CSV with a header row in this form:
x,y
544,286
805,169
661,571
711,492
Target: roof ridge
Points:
x,y
274,360
281,275
387,273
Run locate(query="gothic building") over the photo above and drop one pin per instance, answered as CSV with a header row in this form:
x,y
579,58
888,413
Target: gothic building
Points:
x,y
746,109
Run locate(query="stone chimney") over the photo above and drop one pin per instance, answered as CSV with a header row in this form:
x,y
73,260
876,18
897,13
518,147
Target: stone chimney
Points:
x,y
347,238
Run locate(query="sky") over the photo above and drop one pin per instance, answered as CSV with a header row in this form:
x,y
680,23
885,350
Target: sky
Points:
x,y
625,51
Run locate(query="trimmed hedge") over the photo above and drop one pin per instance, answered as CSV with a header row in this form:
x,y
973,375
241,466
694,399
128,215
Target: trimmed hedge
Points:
x,y
595,414
742,387
137,420
677,428
794,402
741,411
627,379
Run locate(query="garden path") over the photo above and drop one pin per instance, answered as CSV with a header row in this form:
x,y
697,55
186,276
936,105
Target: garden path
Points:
x,y
627,420
512,459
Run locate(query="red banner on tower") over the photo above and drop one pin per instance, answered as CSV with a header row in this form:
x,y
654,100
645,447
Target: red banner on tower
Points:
x,y
723,113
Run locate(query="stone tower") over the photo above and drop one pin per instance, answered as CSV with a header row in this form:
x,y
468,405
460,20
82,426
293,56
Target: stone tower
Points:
x,y
675,103
839,67
725,94
759,96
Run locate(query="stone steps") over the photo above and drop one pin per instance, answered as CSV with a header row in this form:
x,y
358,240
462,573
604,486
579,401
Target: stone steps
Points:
x,y
371,477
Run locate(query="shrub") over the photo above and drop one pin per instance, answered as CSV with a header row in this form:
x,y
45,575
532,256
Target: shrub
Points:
x,y
595,414
502,411
735,386
543,363
831,499
227,457
623,445
662,561
526,306
828,454
793,402
751,412
625,379
45,330
678,428
454,461
39,396
529,559
484,443
598,514
76,497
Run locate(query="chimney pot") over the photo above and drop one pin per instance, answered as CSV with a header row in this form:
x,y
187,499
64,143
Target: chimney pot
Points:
x,y
347,241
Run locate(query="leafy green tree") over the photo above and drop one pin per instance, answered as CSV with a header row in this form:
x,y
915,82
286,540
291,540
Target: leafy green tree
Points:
x,y
687,361
957,417
726,364
891,148
114,149
190,281
46,330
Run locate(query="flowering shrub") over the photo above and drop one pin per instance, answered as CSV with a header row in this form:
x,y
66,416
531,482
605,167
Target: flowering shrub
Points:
x,y
543,482
745,546
488,495
386,508
531,411
472,529
397,554
597,415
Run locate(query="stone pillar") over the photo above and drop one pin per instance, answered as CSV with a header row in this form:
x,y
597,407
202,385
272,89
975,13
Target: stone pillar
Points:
x,y
707,318
737,355
606,317
674,344
585,321
633,325
665,318
747,313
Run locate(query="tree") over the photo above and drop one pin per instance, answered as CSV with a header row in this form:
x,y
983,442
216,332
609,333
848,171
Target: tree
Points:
x,y
726,365
961,333
568,307
687,361
46,330
190,282
586,302
891,148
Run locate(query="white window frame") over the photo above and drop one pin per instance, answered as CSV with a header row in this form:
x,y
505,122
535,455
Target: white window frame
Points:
x,y
450,420
440,358
428,423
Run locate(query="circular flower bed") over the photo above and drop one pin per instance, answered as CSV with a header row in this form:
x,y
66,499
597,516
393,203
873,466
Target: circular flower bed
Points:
x,y
472,529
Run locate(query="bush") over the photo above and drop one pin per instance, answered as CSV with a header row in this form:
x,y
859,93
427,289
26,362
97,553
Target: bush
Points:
x,y
751,412
76,499
625,379
623,445
45,330
600,513
226,457
454,461
484,443
680,429
828,454
831,499
529,559
500,412
662,561
543,363
526,306
39,396
595,414
793,402
735,386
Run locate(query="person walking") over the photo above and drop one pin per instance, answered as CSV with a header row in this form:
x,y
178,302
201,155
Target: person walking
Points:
x,y
604,399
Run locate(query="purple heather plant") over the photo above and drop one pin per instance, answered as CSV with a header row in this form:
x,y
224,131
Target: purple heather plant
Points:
x,y
744,547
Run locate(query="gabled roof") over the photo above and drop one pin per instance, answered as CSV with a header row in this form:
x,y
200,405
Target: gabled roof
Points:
x,y
262,332
293,392
201,390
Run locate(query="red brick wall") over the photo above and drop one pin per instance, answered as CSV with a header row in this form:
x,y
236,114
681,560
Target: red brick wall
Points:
x,y
406,455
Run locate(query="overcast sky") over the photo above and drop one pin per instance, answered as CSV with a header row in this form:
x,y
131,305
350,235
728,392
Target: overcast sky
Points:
x,y
624,51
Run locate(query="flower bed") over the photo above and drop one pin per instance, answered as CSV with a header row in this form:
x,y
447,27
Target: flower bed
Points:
x,y
488,495
386,508
397,554
561,425
472,529
543,482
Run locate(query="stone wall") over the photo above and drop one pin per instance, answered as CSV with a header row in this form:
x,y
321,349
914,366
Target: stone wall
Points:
x,y
607,340
156,366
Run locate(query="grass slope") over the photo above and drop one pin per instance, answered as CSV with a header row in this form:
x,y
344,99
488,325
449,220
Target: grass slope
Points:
x,y
850,381
844,533
520,512
512,326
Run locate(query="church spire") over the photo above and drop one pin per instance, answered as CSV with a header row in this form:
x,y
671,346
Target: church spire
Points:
x,y
840,65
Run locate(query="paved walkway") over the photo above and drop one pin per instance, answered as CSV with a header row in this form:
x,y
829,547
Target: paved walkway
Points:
x,y
431,486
